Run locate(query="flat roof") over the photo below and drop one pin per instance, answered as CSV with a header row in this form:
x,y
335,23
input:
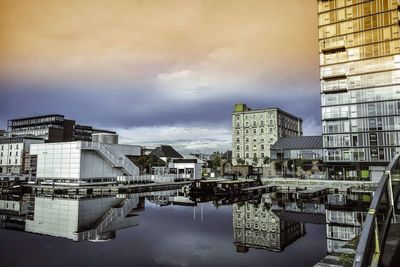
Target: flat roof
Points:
x,y
267,109
36,117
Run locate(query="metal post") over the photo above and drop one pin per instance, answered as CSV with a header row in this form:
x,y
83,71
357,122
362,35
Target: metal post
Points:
x,y
377,245
390,189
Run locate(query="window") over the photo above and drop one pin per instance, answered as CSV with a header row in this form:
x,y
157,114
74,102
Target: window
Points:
x,y
237,155
262,147
247,131
10,147
238,147
16,161
255,155
247,147
254,124
254,131
262,130
247,155
16,153
262,155
237,131
247,139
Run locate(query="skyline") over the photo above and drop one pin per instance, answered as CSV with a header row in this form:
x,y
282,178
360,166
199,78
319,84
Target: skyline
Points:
x,y
159,72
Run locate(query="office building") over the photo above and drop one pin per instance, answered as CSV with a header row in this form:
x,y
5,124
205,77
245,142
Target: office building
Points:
x,y
14,154
255,131
52,127
360,85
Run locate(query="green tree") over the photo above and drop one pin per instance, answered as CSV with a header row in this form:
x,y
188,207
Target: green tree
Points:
x,y
255,161
266,160
240,161
278,165
216,161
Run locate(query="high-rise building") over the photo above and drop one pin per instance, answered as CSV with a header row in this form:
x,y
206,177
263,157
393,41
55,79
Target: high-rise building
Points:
x,y
255,131
360,85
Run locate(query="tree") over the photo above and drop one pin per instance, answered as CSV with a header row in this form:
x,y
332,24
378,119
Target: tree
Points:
x,y
216,161
266,160
278,165
255,161
240,161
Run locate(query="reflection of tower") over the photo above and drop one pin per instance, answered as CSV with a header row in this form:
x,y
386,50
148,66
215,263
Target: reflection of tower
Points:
x,y
256,226
81,217
344,218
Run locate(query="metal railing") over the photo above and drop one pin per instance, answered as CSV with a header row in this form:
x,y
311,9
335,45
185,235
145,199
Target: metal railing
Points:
x,y
380,215
121,162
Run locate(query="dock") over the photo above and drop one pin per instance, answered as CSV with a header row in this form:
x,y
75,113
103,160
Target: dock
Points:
x,y
99,190
257,190
313,192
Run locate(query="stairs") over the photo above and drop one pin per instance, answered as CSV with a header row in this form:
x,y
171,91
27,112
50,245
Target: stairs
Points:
x,y
117,162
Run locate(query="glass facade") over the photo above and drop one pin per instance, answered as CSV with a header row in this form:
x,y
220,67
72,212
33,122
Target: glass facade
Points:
x,y
360,80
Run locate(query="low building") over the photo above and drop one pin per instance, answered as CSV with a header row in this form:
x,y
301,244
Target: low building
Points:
x,y
297,156
166,153
2,132
14,154
188,168
81,162
254,131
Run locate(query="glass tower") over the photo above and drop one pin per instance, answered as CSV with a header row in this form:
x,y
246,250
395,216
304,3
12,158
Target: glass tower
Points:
x,y
360,85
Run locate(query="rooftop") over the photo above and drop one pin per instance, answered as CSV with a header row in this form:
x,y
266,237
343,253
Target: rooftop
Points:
x,y
301,142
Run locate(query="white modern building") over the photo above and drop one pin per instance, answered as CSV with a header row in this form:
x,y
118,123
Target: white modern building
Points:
x,y
14,154
80,162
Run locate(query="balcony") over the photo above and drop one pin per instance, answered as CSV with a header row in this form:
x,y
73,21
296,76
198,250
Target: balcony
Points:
x,y
336,115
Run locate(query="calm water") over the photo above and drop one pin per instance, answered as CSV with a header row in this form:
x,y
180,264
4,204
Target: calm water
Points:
x,y
161,233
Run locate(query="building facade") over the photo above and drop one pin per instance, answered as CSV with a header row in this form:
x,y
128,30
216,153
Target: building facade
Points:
x,y
81,162
360,81
14,154
84,132
52,127
255,131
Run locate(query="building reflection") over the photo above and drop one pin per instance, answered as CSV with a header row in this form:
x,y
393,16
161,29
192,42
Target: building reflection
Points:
x,y
345,215
81,217
256,225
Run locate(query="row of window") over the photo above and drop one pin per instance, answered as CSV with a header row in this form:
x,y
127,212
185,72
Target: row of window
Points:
x,y
362,125
359,96
327,5
365,9
247,131
362,139
361,38
37,121
360,67
361,52
254,124
360,154
360,24
16,146
16,153
257,116
362,110
9,161
247,147
247,155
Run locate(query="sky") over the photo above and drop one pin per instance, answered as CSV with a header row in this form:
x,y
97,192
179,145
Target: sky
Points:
x,y
159,71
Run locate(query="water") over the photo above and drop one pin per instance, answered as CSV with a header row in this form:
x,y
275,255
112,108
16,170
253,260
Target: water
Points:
x,y
249,233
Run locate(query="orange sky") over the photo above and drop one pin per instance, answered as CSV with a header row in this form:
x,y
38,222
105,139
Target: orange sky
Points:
x,y
127,40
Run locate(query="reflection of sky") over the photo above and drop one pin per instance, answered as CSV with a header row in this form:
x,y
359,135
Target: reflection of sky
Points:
x,y
159,66
167,236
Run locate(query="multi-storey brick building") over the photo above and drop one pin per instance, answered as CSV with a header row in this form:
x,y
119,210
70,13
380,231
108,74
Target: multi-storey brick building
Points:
x,y
255,131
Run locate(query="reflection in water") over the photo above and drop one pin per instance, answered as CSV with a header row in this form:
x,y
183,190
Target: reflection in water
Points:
x,y
255,225
271,222
345,215
80,217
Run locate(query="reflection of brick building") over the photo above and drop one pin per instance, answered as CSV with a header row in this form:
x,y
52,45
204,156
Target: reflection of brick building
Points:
x,y
256,226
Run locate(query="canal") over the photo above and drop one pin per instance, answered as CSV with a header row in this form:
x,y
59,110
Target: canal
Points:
x,y
167,229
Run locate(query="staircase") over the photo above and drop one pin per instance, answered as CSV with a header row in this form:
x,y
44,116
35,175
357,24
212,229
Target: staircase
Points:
x,y
117,162
108,218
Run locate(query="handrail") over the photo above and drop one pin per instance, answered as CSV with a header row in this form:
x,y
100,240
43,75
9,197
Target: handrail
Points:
x,y
370,231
